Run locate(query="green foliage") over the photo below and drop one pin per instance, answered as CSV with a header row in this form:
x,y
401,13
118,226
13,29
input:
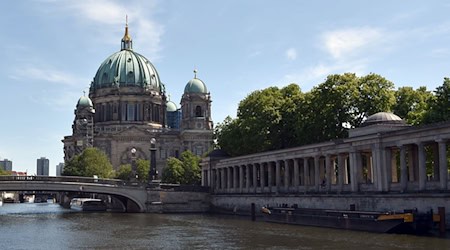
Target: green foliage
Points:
x,y
439,104
142,169
4,172
91,161
173,172
412,105
185,170
124,172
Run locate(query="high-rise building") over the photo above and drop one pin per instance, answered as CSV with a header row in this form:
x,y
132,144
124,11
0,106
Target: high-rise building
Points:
x,y
59,169
42,166
6,164
128,109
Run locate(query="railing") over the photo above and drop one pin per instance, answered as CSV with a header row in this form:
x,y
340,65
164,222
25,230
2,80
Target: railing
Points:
x,y
114,182
62,179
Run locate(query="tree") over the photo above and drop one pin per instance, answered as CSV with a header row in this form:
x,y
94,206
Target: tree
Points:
x,y
439,105
90,162
191,167
124,172
173,172
185,170
412,105
142,169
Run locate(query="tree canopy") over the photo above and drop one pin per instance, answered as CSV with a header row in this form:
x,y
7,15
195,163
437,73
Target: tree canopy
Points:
x,y
185,170
275,118
92,161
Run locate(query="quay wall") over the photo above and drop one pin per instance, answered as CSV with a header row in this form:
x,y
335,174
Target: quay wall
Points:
x,y
240,204
178,202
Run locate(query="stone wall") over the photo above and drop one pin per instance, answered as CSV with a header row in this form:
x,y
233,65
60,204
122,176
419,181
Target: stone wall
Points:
x,y
178,202
240,204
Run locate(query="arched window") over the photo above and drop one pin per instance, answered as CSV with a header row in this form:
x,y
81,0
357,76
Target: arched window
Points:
x,y
198,111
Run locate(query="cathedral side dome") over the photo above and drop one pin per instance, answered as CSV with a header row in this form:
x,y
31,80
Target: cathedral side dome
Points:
x,y
171,106
195,85
84,101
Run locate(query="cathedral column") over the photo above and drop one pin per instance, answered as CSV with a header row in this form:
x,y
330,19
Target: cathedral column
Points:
x,y
443,168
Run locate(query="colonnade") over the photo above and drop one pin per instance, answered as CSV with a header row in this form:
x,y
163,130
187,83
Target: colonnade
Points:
x,y
389,167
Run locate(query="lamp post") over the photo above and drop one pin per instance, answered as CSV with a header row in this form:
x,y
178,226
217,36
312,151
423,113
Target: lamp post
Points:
x,y
133,164
152,169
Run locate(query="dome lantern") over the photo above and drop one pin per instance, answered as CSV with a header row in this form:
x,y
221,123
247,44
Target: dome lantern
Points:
x,y
127,42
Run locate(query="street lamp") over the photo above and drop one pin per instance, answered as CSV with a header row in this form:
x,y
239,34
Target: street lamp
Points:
x,y
152,169
133,163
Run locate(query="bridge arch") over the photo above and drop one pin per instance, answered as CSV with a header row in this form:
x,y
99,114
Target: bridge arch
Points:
x,y
135,194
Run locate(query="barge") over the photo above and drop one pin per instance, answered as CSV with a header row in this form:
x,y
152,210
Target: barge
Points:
x,y
408,221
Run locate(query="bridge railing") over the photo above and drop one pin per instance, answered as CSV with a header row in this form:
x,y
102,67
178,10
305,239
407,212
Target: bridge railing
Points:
x,y
62,179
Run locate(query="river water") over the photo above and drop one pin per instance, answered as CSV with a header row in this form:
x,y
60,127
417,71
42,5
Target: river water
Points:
x,y
49,226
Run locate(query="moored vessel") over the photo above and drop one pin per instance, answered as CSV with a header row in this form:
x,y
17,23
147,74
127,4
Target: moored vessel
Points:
x,y
408,221
87,204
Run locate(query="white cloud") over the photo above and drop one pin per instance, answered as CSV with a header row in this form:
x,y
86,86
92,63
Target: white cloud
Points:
x,y
346,42
291,54
106,18
44,74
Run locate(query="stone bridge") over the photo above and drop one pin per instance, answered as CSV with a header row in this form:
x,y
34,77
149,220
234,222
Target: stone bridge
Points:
x,y
133,196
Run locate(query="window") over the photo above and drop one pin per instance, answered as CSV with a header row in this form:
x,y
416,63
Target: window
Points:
x,y
131,111
198,111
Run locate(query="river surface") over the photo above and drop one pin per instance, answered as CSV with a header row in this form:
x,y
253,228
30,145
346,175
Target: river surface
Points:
x,y
49,226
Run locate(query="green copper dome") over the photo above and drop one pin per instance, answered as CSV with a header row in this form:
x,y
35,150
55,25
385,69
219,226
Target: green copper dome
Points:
x,y
171,106
126,68
84,101
195,86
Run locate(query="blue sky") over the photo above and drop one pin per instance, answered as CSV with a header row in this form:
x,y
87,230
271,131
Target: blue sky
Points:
x,y
51,50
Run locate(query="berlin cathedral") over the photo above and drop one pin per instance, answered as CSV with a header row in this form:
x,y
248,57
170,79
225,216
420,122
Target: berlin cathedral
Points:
x,y
127,112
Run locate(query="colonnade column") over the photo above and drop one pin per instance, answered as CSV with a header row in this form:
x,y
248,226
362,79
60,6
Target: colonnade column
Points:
x,y
317,173
235,178
223,183
341,171
247,181
403,170
286,175
443,168
269,176
328,170
354,165
306,172
296,172
255,178
277,175
262,176
241,178
422,166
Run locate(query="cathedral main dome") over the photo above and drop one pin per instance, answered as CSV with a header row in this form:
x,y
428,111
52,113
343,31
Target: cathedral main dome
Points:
x,y
126,68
